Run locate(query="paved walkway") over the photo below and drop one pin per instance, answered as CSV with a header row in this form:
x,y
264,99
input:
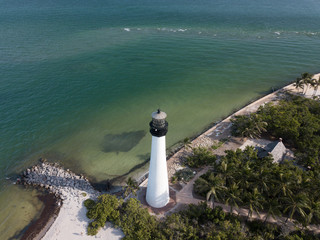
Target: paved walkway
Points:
x,y
185,195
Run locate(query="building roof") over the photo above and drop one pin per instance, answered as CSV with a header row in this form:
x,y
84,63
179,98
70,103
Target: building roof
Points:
x,y
276,149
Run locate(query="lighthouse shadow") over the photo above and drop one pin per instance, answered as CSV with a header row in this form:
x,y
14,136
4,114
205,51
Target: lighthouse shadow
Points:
x,y
122,142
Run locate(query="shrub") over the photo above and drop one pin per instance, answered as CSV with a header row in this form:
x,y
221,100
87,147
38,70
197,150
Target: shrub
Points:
x,y
136,222
219,144
174,179
89,203
184,174
106,209
83,194
93,228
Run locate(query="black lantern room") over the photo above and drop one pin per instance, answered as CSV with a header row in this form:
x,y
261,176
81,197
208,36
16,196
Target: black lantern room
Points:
x,y
158,125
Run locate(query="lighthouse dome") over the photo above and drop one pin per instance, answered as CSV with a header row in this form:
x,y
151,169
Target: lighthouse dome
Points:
x,y
159,115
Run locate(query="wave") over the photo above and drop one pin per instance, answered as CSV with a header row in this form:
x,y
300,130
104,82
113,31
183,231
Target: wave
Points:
x,y
172,29
235,33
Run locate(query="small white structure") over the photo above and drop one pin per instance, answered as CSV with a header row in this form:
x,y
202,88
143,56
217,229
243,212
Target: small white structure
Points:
x,y
158,186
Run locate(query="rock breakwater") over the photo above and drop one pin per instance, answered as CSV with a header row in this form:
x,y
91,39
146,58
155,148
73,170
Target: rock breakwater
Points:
x,y
57,180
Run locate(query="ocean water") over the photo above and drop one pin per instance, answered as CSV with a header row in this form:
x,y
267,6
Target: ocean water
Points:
x,y
79,79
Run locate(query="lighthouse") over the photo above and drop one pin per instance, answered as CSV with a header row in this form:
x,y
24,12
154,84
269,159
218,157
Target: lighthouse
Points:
x,y
158,186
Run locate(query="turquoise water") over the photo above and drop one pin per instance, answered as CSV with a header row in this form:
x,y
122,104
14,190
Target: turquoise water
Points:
x,y
79,79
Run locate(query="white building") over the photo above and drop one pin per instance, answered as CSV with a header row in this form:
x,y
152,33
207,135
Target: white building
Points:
x,y
158,186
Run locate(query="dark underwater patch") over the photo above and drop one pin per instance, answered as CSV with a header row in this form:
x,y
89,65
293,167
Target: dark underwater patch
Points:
x,y
123,142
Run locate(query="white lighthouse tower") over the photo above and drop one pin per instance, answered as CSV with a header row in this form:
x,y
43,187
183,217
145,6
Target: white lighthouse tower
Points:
x,y
158,186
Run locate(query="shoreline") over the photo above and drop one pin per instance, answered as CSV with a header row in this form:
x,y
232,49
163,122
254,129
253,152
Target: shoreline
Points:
x,y
50,212
53,228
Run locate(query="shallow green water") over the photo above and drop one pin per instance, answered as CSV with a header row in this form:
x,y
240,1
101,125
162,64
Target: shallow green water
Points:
x,y
79,79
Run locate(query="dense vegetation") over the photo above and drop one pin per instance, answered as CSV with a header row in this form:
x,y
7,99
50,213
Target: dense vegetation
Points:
x,y
242,179
196,222
200,157
295,119
135,221
251,125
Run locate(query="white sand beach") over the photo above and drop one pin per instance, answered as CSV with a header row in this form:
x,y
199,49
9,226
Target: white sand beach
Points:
x,y
72,221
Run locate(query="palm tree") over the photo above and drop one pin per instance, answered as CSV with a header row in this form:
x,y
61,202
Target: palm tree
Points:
x,y
211,195
299,84
273,208
315,208
254,202
306,79
201,186
132,187
186,143
297,203
224,170
313,211
257,126
284,187
315,85
263,181
232,197
217,189
251,125
244,174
